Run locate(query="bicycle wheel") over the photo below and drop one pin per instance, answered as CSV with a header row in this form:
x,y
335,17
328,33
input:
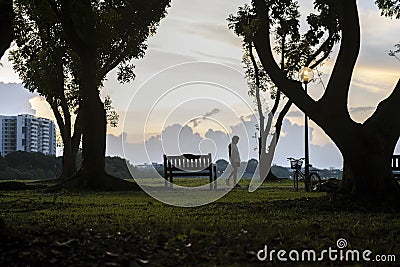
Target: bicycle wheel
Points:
x,y
296,181
315,182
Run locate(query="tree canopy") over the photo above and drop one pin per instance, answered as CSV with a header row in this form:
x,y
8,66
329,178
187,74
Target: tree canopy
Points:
x,y
389,8
66,49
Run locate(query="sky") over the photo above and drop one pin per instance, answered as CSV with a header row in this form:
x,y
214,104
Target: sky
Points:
x,y
190,94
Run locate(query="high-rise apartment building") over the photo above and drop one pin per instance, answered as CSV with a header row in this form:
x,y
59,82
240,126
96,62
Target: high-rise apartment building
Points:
x,y
27,133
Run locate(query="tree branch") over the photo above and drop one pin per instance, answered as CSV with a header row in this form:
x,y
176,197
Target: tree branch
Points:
x,y
326,47
336,95
74,38
282,114
278,91
59,118
76,137
114,61
257,77
290,88
386,118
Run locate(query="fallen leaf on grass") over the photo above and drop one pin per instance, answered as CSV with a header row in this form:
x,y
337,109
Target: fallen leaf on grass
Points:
x,y
66,243
113,255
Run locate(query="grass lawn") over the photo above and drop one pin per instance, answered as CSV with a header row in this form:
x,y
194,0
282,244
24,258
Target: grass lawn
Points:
x,y
132,229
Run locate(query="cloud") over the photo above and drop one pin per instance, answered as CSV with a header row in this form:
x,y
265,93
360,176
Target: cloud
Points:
x,y
291,144
353,110
361,109
215,32
295,113
15,99
232,61
41,108
177,139
174,140
197,121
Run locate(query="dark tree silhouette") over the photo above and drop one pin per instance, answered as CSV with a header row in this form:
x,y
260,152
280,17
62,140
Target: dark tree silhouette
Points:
x,y
103,35
6,25
45,64
367,148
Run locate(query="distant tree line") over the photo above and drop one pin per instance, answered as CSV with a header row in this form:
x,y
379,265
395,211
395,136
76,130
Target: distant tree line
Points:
x,y
37,166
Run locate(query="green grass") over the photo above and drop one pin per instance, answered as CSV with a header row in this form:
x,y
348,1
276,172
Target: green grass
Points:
x,y
193,182
127,228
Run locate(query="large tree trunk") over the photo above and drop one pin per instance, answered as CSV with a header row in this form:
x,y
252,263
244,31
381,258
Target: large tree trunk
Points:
x,y
94,118
83,41
92,175
370,177
367,172
68,167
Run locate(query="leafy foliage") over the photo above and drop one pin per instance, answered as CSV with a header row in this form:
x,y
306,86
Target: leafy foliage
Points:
x,y
389,8
393,53
42,59
111,113
308,49
117,30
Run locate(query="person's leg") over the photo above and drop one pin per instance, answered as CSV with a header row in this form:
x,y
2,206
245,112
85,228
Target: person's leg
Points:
x,y
234,174
230,175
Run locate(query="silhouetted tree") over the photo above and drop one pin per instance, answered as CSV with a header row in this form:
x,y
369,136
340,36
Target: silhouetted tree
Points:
x,y
102,35
367,148
296,51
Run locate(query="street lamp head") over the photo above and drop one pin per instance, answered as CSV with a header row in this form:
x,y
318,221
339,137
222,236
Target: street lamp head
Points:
x,y
306,75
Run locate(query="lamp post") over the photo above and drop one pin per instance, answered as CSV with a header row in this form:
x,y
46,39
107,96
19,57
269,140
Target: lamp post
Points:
x,y
306,75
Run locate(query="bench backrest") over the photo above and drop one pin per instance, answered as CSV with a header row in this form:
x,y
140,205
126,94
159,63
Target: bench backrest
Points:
x,y
188,162
396,163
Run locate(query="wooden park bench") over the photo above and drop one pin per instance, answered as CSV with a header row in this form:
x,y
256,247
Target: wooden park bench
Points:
x,y
189,165
396,165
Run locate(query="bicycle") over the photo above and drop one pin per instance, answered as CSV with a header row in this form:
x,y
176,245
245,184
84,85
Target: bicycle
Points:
x,y
315,179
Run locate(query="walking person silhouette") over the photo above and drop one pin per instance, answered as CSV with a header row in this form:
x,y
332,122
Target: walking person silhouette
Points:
x,y
234,158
